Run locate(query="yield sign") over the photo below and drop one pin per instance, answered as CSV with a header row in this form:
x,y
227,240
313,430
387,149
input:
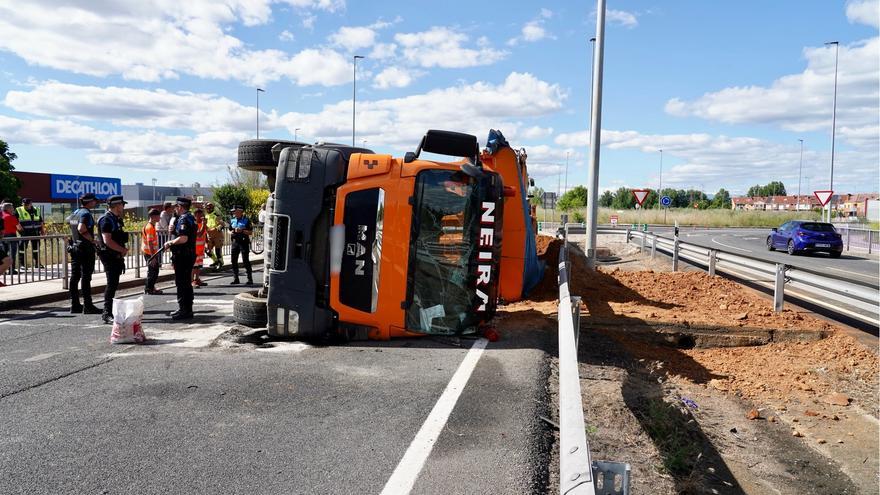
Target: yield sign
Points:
x,y
641,195
823,196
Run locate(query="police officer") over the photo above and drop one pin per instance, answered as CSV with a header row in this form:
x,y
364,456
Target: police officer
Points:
x,y
112,250
183,257
31,226
241,243
82,255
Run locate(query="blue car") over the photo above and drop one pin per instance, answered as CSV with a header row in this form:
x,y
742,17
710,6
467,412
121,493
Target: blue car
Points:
x,y
798,236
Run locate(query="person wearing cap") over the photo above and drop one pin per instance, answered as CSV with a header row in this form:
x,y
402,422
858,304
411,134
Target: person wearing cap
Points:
x,y
31,226
241,243
11,229
82,255
214,247
183,257
149,247
112,250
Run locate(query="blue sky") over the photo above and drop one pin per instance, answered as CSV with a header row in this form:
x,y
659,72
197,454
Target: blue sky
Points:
x,y
166,89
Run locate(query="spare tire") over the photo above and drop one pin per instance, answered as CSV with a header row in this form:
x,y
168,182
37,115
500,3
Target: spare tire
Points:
x,y
256,154
249,309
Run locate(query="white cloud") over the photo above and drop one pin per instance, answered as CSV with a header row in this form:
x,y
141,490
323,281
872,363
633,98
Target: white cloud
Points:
x,y
533,30
383,51
393,77
155,40
286,36
621,17
308,21
735,163
442,47
803,102
353,38
864,12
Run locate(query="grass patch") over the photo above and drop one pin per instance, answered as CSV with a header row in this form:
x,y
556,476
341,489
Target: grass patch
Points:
x,y
667,427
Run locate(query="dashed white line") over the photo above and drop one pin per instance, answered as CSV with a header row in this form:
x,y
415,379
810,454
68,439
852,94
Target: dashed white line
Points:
x,y
408,469
729,246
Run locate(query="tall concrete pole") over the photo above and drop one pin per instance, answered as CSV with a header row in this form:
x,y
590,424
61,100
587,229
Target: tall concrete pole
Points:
x,y
833,122
800,171
595,136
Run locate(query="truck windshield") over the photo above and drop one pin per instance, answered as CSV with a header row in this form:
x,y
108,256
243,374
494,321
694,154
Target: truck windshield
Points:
x,y
445,225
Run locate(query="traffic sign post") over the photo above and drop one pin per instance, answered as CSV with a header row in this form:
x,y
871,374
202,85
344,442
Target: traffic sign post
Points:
x,y
824,197
641,195
665,201
614,219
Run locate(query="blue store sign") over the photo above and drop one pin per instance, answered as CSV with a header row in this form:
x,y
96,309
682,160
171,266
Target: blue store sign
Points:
x,y
74,186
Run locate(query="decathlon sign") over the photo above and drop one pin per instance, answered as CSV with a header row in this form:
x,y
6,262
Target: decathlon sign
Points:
x,y
74,186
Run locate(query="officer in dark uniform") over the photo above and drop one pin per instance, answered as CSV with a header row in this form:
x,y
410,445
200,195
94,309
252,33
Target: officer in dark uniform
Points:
x,y
241,243
183,257
112,250
82,256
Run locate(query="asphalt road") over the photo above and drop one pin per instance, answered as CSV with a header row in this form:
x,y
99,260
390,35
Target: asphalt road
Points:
x,y
191,413
859,267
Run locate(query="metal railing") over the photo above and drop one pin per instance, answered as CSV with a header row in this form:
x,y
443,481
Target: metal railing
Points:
x,y
52,262
578,473
840,294
859,239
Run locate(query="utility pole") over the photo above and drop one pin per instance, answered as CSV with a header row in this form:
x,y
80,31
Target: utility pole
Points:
x,y
258,111
833,122
800,171
354,95
660,187
595,136
294,133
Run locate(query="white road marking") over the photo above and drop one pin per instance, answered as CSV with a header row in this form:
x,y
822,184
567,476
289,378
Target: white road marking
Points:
x,y
847,271
408,469
40,357
729,246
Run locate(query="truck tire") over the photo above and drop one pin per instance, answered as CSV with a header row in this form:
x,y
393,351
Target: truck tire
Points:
x,y
256,154
249,309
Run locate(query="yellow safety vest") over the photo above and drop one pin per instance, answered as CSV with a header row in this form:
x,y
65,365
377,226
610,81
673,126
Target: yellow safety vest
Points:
x,y
212,220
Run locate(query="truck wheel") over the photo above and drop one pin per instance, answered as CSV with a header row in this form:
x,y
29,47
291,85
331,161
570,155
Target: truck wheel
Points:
x,y
249,309
257,153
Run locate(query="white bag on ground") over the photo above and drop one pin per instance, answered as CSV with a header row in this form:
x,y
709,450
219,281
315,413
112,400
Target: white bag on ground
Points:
x,y
127,314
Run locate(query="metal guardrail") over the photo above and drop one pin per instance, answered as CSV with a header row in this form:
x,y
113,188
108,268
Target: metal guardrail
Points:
x,y
836,293
578,473
53,263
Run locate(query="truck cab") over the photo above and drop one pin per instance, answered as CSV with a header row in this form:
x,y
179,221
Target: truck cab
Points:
x,y
364,245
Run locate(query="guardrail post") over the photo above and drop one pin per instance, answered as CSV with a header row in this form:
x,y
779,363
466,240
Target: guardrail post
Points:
x,y
653,246
713,257
576,318
137,265
627,235
847,238
642,242
64,282
675,255
870,241
779,288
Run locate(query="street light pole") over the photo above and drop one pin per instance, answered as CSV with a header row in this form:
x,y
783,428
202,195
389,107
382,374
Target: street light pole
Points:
x,y
595,136
660,187
294,133
258,111
800,171
354,95
833,121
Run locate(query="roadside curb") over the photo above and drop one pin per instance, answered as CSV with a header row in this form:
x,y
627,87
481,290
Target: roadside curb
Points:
x,y
63,295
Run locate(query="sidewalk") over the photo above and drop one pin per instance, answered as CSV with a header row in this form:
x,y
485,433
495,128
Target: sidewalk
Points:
x,y
33,293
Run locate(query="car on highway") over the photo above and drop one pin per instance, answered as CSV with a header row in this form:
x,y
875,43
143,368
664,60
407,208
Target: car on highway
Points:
x,y
800,236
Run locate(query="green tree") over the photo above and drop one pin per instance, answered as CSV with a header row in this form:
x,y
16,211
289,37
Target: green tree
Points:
x,y
606,199
536,193
774,188
9,184
572,199
229,195
623,199
721,199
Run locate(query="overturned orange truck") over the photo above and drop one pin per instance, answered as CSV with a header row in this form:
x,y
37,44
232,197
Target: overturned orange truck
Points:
x,y
363,245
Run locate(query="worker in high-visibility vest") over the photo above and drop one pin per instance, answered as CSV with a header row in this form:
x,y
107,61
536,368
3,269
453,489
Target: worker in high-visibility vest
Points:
x,y
201,239
215,225
32,225
150,246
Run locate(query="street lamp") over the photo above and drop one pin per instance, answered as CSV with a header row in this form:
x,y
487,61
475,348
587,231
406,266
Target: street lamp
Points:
x,y
294,133
354,94
595,136
258,111
833,121
800,171
154,191
660,187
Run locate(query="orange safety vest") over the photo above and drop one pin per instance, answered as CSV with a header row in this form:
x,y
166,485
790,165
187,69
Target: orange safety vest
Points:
x,y
201,237
150,242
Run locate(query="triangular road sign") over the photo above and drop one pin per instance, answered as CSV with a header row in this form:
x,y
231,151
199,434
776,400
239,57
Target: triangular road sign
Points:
x,y
823,196
641,195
